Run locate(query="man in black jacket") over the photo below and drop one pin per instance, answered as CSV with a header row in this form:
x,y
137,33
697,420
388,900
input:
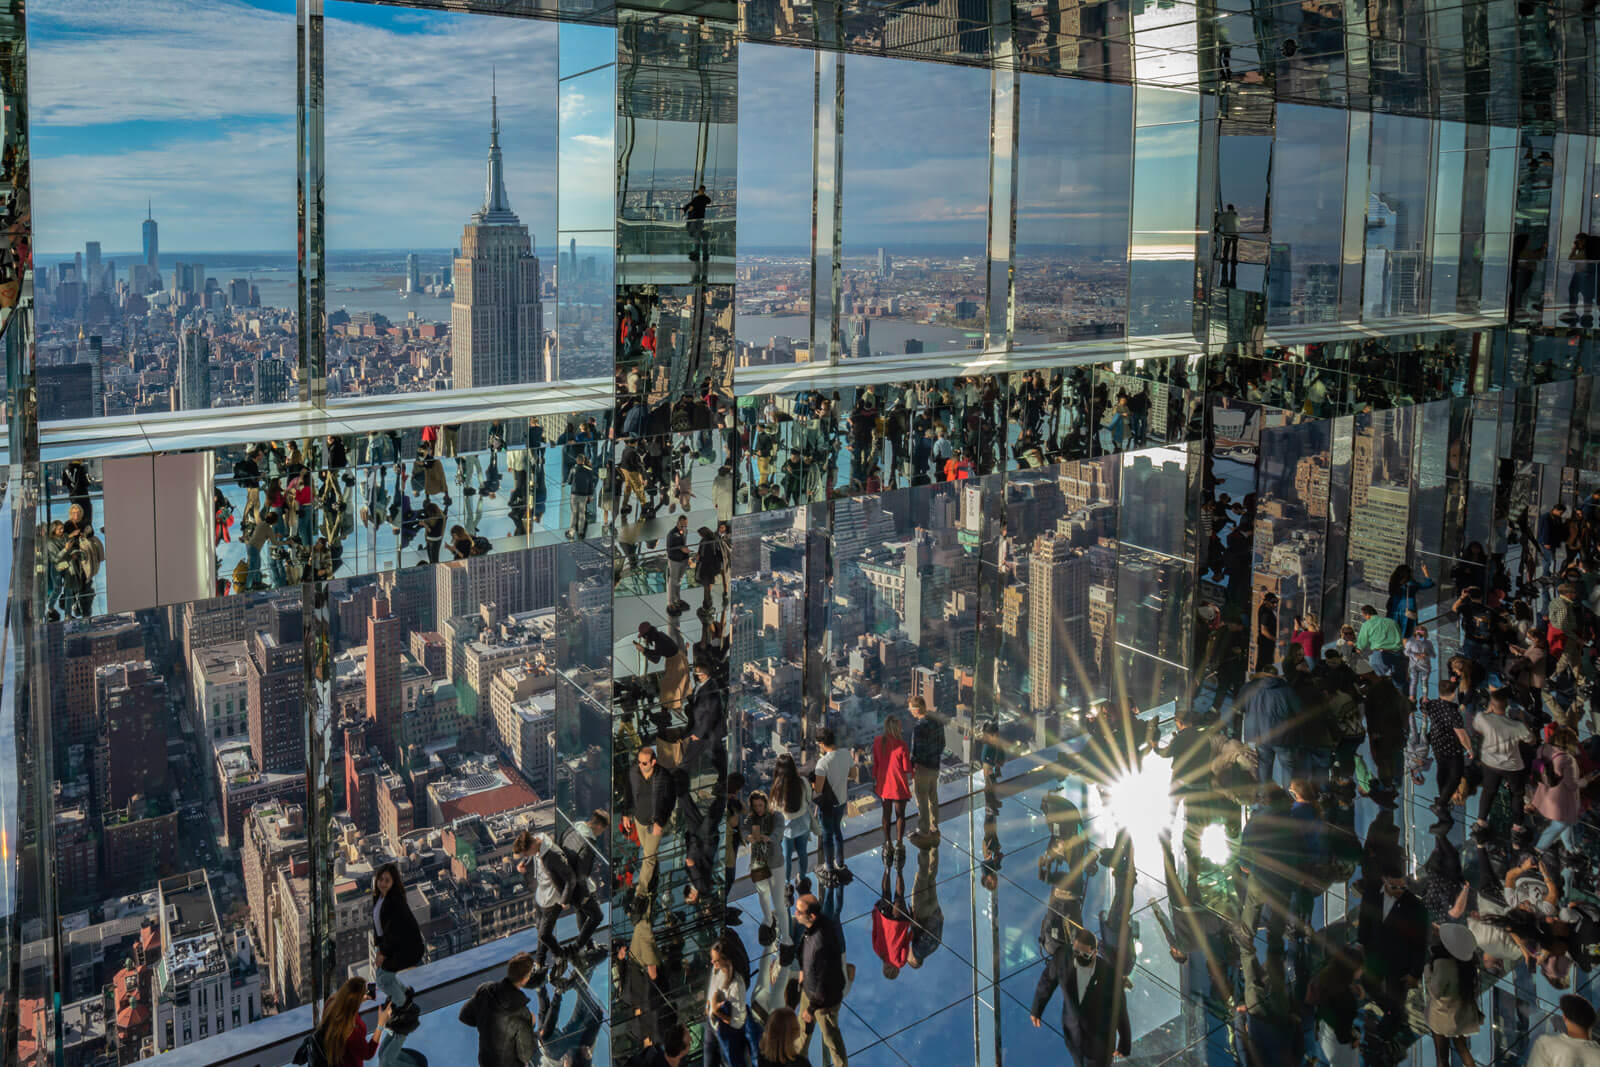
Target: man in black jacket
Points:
x,y
652,796
1092,1004
822,977
578,845
1393,929
677,562
708,723
499,1012
927,750
582,482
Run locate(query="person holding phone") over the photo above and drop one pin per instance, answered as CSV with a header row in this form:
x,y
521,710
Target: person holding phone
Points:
x,y
342,1037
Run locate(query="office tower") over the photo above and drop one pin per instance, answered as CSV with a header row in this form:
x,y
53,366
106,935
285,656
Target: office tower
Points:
x,y
271,381
193,385
497,319
1058,617
413,276
277,713
385,641
91,266
131,703
65,391
208,982
152,244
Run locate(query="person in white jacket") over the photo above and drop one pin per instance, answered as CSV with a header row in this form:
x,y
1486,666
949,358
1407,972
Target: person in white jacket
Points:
x,y
1574,1047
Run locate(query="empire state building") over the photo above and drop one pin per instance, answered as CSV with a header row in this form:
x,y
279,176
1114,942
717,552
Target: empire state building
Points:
x,y
497,319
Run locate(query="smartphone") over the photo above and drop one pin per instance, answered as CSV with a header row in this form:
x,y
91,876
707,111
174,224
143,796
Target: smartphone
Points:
x,y
372,990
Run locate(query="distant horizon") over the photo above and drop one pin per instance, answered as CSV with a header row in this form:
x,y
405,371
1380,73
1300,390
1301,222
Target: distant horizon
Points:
x,y
930,248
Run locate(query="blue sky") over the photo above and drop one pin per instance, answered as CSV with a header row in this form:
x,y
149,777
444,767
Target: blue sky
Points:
x,y
195,110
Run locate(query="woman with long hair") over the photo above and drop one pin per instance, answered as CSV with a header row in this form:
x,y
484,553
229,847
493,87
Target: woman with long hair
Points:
x,y
791,801
398,946
726,1011
342,1034
891,779
780,1041
1558,787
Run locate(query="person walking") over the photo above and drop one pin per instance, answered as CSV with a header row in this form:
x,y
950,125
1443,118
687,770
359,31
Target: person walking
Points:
x,y
1093,1007
398,946
1451,982
1451,745
891,780
1500,759
677,562
341,1038
830,781
1552,534
499,1011
1558,788
927,752
651,795
822,978
549,880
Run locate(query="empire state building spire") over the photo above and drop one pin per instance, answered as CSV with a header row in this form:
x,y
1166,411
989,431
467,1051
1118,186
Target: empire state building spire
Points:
x,y
496,206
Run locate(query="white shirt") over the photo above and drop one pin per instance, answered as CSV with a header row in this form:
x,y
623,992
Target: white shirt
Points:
x,y
1388,905
731,986
1501,735
545,894
1085,974
377,924
835,768
1564,1050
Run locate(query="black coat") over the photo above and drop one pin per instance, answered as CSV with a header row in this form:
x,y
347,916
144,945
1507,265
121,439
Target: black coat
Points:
x,y
707,718
499,1012
822,962
1396,947
652,798
1087,1026
401,941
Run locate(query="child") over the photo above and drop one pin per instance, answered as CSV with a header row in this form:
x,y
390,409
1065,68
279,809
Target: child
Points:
x,y
1419,650
1347,646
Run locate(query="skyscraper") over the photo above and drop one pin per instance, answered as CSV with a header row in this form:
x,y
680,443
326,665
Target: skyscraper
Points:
x,y
413,274
91,266
277,713
496,320
152,243
385,638
193,392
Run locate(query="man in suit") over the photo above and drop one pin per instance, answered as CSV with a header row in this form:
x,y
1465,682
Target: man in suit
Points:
x,y
1393,930
1092,1002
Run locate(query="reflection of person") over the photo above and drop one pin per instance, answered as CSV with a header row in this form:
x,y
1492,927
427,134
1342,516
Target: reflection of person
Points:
x,y
1572,1046
1092,1003
694,214
650,793
1228,227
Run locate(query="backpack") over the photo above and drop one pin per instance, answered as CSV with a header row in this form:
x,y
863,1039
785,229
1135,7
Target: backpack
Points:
x,y
310,1053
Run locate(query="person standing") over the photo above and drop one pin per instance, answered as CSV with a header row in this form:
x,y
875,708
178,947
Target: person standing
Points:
x,y
791,801
822,978
500,1013
1393,931
1388,716
677,562
927,751
1419,655
1573,1045
830,780
891,780
582,482
726,1011
1092,1003
760,829
1552,534
578,847
397,946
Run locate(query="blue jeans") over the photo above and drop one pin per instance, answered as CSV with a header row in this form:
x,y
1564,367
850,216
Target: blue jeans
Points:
x,y
1277,757
796,850
252,555
1558,829
1547,557
733,1043
831,850
391,1044
1389,665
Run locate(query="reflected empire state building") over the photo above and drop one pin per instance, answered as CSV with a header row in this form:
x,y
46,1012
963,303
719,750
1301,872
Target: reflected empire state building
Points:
x,y
496,321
